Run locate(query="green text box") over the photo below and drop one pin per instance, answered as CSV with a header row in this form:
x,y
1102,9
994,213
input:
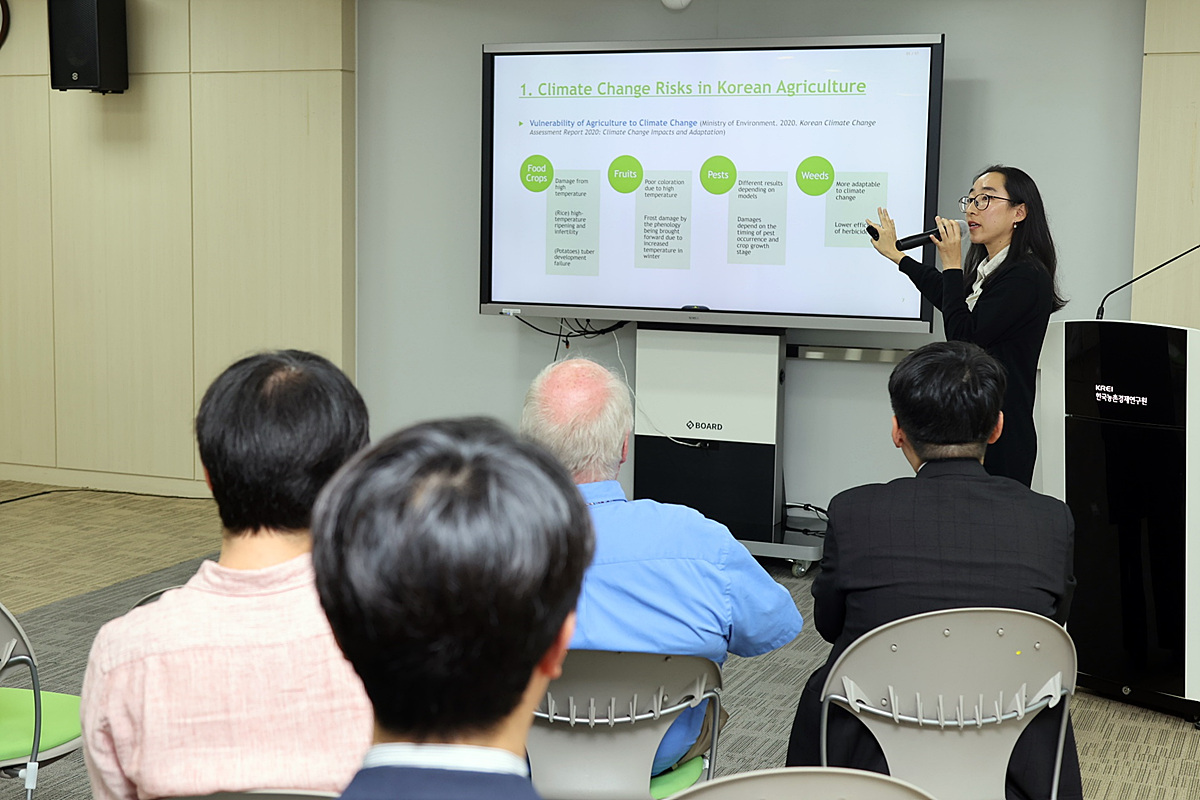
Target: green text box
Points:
x,y
758,218
855,196
573,223
663,221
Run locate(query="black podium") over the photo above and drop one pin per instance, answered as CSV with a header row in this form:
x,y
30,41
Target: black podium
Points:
x,y
1115,444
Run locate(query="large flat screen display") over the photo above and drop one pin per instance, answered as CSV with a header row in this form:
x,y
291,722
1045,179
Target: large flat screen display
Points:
x,y
708,182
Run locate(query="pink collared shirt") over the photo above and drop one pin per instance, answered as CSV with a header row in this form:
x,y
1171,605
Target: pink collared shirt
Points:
x,y
232,682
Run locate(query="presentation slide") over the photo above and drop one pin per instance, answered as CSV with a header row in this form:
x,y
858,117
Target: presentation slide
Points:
x,y
732,180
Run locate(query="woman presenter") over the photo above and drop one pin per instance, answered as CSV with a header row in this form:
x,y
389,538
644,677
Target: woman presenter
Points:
x,y
1003,298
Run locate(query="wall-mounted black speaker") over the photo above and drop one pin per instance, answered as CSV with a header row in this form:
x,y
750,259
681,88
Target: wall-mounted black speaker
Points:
x,y
87,45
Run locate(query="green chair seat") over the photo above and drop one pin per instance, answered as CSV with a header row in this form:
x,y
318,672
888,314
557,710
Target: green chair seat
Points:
x,y
673,780
60,722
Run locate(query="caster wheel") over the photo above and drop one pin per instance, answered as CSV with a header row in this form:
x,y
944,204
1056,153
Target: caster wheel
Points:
x,y
800,567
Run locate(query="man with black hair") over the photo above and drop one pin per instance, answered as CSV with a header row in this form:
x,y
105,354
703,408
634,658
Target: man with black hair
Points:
x,y
234,681
449,559
950,537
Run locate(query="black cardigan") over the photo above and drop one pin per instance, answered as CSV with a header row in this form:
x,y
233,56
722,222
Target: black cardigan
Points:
x,y
1009,322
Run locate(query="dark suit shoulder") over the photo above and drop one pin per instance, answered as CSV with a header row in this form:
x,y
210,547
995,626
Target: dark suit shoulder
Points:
x,y
1014,491
860,512
414,783
870,491
961,483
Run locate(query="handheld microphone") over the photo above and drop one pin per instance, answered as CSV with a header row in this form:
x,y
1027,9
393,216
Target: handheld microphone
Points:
x,y
916,240
1100,310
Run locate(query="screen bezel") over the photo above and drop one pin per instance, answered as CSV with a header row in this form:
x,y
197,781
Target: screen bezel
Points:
x,y
922,324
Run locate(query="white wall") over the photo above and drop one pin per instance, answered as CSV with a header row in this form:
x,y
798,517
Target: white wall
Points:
x,y
1052,87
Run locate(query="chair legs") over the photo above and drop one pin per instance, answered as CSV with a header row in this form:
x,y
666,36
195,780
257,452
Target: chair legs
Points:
x,y
1062,740
29,773
714,705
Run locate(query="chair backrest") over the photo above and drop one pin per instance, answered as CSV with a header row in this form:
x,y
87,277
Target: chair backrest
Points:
x,y
262,794
13,641
948,693
596,732
153,596
809,783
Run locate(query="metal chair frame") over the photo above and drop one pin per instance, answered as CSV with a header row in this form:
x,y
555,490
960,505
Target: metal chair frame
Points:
x,y
810,783
154,596
18,651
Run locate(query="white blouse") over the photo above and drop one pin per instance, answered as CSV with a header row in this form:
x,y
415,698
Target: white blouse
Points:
x,y
986,267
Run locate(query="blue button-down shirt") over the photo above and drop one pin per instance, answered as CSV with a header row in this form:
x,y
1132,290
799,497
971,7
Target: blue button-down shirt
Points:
x,y
666,579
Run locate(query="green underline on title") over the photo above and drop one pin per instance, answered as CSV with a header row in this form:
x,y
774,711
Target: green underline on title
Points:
x,y
679,96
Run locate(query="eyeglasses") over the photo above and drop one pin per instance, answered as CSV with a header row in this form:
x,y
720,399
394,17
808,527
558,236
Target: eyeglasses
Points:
x,y
981,201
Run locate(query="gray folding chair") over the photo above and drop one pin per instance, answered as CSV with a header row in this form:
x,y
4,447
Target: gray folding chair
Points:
x,y
36,727
595,734
809,783
948,693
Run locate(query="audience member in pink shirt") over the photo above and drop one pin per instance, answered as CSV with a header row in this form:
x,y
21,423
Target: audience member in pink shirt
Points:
x,y
234,681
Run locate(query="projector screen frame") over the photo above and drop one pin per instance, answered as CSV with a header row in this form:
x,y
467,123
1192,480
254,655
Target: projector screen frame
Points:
x,y
923,324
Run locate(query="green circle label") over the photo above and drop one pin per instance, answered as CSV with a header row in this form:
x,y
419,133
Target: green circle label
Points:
x,y
625,174
814,176
537,173
718,175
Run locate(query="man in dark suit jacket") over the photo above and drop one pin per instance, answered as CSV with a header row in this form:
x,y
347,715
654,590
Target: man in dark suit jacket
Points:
x,y
449,559
951,537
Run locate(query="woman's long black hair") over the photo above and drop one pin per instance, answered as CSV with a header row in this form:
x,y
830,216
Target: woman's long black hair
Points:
x,y
1030,237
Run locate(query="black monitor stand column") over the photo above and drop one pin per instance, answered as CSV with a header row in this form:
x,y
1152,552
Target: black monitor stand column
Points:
x,y
708,431
1116,445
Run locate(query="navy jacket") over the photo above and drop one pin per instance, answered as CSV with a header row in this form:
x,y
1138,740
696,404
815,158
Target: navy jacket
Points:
x,y
415,783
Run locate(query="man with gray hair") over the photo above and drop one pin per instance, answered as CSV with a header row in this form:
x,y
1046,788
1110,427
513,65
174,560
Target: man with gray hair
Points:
x,y
665,579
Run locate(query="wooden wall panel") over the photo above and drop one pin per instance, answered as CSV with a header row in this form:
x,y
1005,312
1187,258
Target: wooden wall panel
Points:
x,y
270,229
157,31
235,35
349,35
1168,194
1172,26
158,35
349,231
27,49
100,365
122,278
26,292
